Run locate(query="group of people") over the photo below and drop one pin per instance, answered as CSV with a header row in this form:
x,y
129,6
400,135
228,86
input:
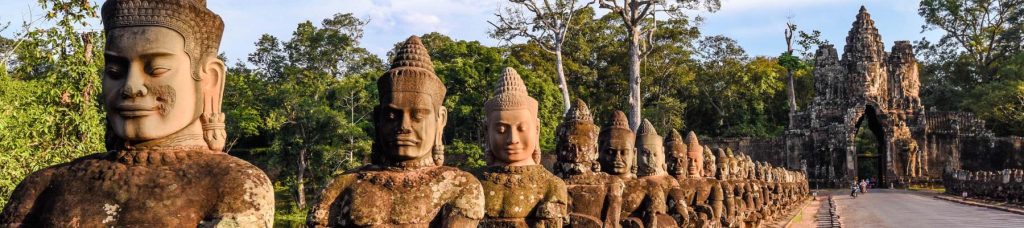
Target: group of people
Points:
x,y
165,164
1005,185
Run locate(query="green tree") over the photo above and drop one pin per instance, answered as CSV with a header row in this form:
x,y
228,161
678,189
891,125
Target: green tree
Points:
x,y
49,81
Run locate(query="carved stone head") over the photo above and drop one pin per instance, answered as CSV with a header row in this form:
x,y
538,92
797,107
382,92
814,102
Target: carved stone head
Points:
x,y
161,75
513,128
410,118
616,146
650,151
710,163
576,146
695,156
678,160
724,167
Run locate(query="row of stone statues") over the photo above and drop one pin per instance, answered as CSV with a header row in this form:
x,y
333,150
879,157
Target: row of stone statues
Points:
x,y
165,165
1004,185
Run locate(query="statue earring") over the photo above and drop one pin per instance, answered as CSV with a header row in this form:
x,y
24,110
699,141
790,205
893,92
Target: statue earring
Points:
x,y
213,131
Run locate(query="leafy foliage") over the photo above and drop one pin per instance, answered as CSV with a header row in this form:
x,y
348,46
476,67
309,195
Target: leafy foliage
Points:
x,y
49,85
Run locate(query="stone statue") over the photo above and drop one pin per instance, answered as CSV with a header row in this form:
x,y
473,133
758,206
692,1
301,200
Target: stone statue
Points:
x,y
666,195
165,165
520,192
405,183
729,208
617,156
595,197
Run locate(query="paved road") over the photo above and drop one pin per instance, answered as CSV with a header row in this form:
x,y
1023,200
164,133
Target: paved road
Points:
x,y
899,208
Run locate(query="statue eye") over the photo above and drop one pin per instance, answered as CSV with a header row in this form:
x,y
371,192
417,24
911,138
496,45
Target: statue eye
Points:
x,y
392,115
157,71
114,71
501,129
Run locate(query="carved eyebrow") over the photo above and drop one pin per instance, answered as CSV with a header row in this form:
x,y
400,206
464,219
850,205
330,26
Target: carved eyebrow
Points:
x,y
156,53
112,55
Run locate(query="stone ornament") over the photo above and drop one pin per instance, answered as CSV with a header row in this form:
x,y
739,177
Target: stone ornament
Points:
x,y
165,135
595,197
405,184
520,192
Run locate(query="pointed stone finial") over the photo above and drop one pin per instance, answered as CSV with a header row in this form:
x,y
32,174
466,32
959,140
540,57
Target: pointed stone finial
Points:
x,y
579,112
646,128
510,94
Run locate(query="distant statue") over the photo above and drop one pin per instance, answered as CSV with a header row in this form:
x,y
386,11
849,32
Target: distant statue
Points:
x,y
595,196
405,184
165,164
520,192
666,195
618,158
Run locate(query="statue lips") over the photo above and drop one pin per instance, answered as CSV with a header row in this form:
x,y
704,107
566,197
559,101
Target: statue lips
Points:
x,y
406,141
132,110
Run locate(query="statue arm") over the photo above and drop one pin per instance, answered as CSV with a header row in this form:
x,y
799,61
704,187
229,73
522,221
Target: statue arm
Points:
x,y
680,210
613,203
553,210
247,200
467,209
320,211
21,204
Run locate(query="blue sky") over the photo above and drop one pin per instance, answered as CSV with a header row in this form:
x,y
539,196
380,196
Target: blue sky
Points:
x,y
756,24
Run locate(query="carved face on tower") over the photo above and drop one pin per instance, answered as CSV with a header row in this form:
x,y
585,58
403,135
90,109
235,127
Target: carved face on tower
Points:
x,y
616,145
513,129
650,151
577,141
161,73
410,118
678,162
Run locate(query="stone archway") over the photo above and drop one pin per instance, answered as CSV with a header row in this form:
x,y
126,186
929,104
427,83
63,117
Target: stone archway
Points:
x,y
877,163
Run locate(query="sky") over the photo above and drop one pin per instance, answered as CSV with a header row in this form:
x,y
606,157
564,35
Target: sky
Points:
x,y
757,25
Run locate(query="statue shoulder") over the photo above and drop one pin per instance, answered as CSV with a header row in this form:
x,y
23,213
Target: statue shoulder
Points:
x,y
247,195
29,190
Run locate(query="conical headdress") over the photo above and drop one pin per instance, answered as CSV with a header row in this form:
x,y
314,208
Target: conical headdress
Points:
x,y
646,128
695,149
411,71
674,144
617,128
579,112
510,94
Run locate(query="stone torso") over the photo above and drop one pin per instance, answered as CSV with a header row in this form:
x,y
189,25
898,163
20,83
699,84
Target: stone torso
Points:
x,y
158,189
376,196
520,195
590,196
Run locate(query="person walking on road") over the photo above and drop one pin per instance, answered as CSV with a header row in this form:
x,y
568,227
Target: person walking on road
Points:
x,y
863,186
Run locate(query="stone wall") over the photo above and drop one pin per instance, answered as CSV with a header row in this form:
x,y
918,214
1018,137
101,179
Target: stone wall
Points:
x,y
1005,185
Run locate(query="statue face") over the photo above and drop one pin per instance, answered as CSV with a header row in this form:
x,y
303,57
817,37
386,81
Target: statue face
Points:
x,y
619,156
651,155
580,146
148,88
409,125
678,163
513,135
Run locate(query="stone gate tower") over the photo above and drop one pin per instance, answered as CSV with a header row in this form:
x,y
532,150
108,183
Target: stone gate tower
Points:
x,y
867,86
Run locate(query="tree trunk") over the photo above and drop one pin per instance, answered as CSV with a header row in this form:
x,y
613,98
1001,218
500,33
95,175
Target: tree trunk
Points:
x,y
300,180
791,92
561,80
634,79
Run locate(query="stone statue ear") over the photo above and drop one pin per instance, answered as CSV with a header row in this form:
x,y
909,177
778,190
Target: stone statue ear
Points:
x,y
438,150
212,75
536,151
633,169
